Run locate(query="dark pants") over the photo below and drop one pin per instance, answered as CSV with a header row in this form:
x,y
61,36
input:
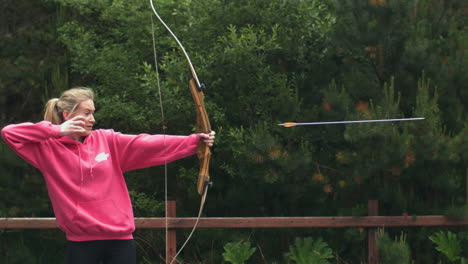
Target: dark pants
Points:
x,y
102,252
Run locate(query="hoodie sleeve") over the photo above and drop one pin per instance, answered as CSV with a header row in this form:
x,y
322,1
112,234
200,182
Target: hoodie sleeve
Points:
x,y
142,151
24,138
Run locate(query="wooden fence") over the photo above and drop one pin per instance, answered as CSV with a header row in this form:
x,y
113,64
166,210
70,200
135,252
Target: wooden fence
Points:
x,y
371,222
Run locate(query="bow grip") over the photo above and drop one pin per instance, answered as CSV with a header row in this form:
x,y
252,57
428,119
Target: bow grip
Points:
x,y
203,126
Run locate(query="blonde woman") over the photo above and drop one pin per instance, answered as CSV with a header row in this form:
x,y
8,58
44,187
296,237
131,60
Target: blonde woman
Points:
x,y
83,170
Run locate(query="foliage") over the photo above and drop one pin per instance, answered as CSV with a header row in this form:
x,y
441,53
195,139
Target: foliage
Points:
x,y
238,252
448,244
308,251
264,62
395,251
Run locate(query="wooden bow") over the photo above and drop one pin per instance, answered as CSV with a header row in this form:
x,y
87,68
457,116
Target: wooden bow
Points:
x,y
203,123
203,126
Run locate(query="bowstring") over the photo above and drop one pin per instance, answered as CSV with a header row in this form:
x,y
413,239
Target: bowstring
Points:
x,y
202,203
163,121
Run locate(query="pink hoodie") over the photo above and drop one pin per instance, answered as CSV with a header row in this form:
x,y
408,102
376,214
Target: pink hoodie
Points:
x,y
85,180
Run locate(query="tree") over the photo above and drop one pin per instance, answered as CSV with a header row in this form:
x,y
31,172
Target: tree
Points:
x,y
264,62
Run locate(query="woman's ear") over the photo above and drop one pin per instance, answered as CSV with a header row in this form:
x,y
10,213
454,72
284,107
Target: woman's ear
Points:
x,y
66,115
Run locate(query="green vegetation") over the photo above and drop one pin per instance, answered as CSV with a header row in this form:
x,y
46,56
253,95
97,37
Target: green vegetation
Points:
x,y
264,62
237,252
450,245
308,251
395,251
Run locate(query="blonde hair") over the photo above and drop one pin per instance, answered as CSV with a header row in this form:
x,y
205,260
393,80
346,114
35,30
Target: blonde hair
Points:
x,y
69,100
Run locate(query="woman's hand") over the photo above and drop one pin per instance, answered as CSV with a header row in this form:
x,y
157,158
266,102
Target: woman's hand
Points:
x,y
74,127
208,139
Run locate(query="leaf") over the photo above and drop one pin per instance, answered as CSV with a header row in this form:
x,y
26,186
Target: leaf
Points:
x,y
308,251
238,253
448,244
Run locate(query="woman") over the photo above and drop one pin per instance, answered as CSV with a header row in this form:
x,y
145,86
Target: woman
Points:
x,y
83,170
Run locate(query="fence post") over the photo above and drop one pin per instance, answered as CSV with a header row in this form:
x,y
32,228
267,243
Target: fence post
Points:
x,y
171,242
373,210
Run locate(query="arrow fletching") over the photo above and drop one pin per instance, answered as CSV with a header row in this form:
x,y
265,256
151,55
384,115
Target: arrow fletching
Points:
x,y
288,124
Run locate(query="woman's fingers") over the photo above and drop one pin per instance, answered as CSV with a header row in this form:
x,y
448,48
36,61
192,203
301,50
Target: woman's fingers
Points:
x,y
75,125
208,139
78,121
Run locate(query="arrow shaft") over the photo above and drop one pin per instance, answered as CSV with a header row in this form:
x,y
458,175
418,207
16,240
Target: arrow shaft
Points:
x,y
355,121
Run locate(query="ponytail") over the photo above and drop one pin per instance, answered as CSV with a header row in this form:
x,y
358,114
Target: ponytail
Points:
x,y
51,112
69,100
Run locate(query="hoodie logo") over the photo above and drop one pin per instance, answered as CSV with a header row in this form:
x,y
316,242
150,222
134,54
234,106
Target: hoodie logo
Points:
x,y
101,157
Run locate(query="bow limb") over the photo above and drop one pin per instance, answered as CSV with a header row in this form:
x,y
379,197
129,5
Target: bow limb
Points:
x,y
192,69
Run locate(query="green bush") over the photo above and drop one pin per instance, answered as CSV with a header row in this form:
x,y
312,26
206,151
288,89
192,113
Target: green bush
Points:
x,y
394,251
308,251
238,253
448,244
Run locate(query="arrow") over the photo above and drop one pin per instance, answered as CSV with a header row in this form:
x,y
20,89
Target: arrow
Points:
x,y
292,124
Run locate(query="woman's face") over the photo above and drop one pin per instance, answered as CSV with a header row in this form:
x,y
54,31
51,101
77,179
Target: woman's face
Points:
x,y
85,109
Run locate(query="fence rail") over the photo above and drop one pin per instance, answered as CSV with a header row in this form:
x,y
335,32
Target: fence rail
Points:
x,y
371,222
257,222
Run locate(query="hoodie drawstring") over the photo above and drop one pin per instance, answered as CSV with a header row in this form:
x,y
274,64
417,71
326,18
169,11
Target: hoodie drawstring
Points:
x,y
81,167
90,164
